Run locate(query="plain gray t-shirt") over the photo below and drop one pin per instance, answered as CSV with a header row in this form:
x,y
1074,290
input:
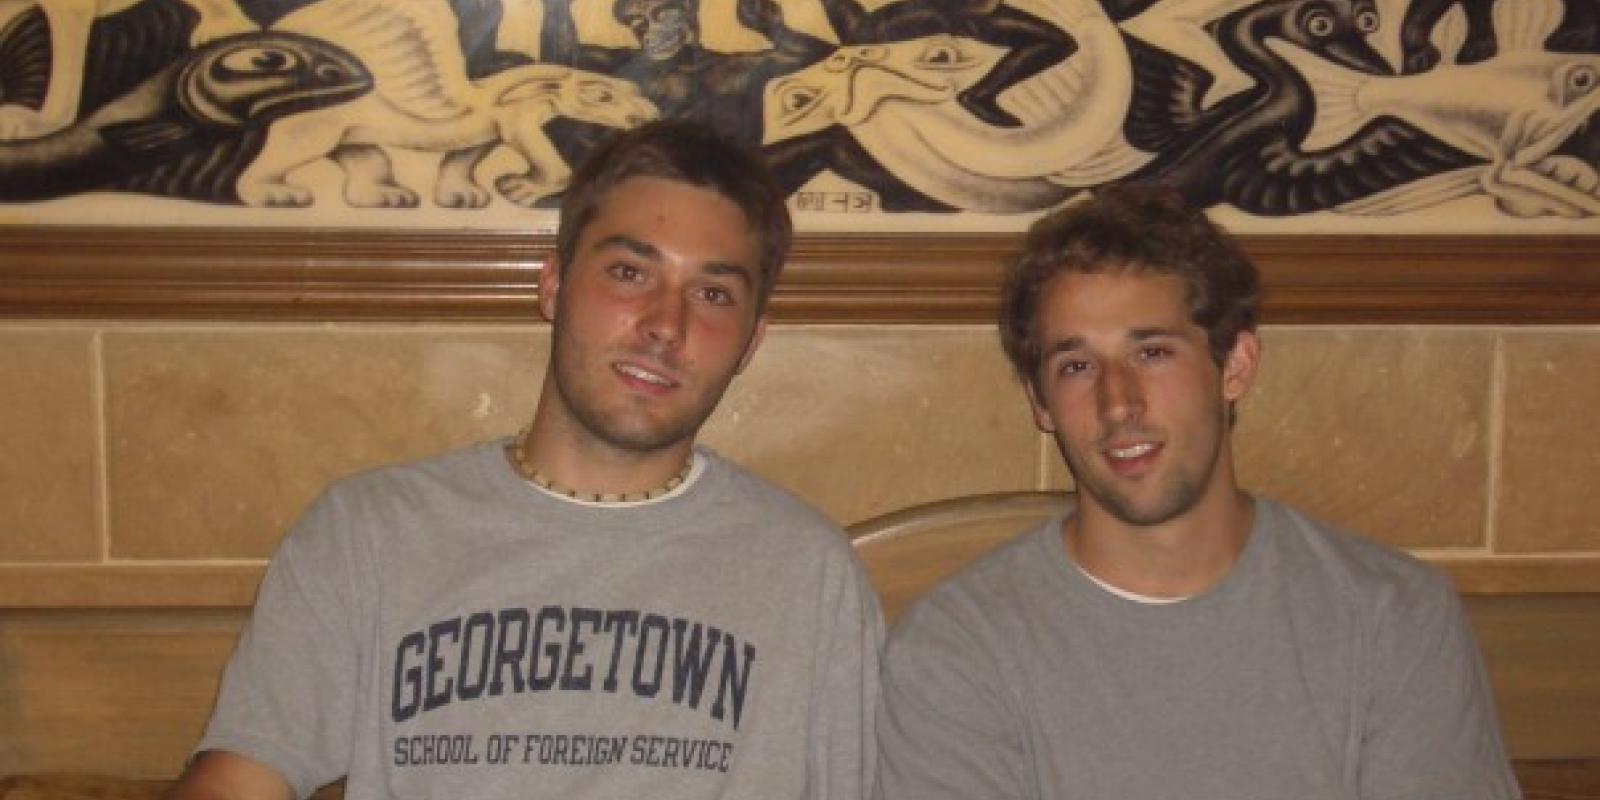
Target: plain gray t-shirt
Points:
x,y
444,630
1322,666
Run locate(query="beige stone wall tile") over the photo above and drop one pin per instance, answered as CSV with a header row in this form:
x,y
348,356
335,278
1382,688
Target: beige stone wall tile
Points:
x,y
114,693
1550,461
47,461
864,420
218,439
1381,430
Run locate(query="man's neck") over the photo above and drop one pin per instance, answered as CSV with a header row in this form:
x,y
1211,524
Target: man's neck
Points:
x,y
1182,557
572,459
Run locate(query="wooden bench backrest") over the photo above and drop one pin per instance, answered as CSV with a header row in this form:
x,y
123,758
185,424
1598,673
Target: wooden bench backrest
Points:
x,y
908,552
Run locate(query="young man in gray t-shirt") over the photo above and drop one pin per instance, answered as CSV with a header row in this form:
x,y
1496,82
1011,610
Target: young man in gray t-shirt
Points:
x,y
1174,636
594,608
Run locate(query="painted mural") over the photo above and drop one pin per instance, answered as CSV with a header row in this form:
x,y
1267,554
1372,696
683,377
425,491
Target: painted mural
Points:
x,y
1283,115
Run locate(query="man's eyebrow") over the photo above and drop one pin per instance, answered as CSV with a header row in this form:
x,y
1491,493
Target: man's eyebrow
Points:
x,y
1066,345
735,269
1154,332
638,247
1071,343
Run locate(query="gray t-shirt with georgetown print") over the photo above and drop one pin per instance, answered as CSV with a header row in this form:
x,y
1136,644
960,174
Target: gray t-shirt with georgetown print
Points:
x,y
445,630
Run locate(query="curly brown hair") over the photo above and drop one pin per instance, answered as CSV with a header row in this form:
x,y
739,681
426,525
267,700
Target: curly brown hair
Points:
x,y
1141,228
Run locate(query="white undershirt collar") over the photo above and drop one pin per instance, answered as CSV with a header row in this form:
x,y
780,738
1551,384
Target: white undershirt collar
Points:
x,y
1146,599
696,469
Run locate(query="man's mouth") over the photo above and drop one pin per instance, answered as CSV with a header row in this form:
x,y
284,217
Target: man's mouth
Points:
x,y
1131,451
639,373
1132,459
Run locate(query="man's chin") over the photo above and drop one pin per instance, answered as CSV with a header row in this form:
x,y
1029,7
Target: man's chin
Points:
x,y
1139,512
645,437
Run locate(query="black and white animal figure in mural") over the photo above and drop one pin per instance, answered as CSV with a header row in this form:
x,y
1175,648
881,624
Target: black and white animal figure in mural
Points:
x,y
809,115
424,100
674,68
1278,108
1182,29
181,130
68,23
904,111
1028,35
1511,112
1419,54
1247,150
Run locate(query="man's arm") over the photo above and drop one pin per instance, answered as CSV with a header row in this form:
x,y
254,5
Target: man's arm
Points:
x,y
844,744
943,731
221,775
283,721
1431,728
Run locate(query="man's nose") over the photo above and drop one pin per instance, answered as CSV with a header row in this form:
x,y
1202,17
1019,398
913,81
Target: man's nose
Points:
x,y
1120,395
663,322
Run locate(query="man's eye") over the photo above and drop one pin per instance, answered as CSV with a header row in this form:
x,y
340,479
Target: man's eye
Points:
x,y
1073,367
1154,353
716,295
625,272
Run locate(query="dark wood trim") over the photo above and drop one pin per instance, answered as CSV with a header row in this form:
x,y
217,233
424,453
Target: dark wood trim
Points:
x,y
264,273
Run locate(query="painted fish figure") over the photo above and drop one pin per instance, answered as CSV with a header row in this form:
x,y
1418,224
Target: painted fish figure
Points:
x,y
207,99
1513,111
69,23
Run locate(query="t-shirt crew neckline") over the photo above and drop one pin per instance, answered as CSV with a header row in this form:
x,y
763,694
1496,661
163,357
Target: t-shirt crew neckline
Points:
x,y
1085,586
695,492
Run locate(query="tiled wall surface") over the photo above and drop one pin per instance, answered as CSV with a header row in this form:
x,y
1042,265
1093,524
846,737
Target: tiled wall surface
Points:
x,y
147,470
132,441
49,464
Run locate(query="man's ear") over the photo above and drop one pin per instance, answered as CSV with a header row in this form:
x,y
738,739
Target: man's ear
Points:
x,y
549,287
756,336
1041,414
1239,368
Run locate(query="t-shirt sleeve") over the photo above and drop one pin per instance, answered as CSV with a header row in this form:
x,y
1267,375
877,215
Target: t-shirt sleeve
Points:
x,y
844,756
1431,731
287,694
946,732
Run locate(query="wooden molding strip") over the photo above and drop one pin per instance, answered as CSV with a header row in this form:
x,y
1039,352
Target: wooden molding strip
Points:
x,y
128,586
266,273
1545,575
181,586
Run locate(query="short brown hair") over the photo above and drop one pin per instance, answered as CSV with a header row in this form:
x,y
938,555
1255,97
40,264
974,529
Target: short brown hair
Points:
x,y
687,152
1143,228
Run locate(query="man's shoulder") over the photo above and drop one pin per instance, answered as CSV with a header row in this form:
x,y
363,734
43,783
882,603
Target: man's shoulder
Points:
x,y
1004,564
1364,566
747,492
